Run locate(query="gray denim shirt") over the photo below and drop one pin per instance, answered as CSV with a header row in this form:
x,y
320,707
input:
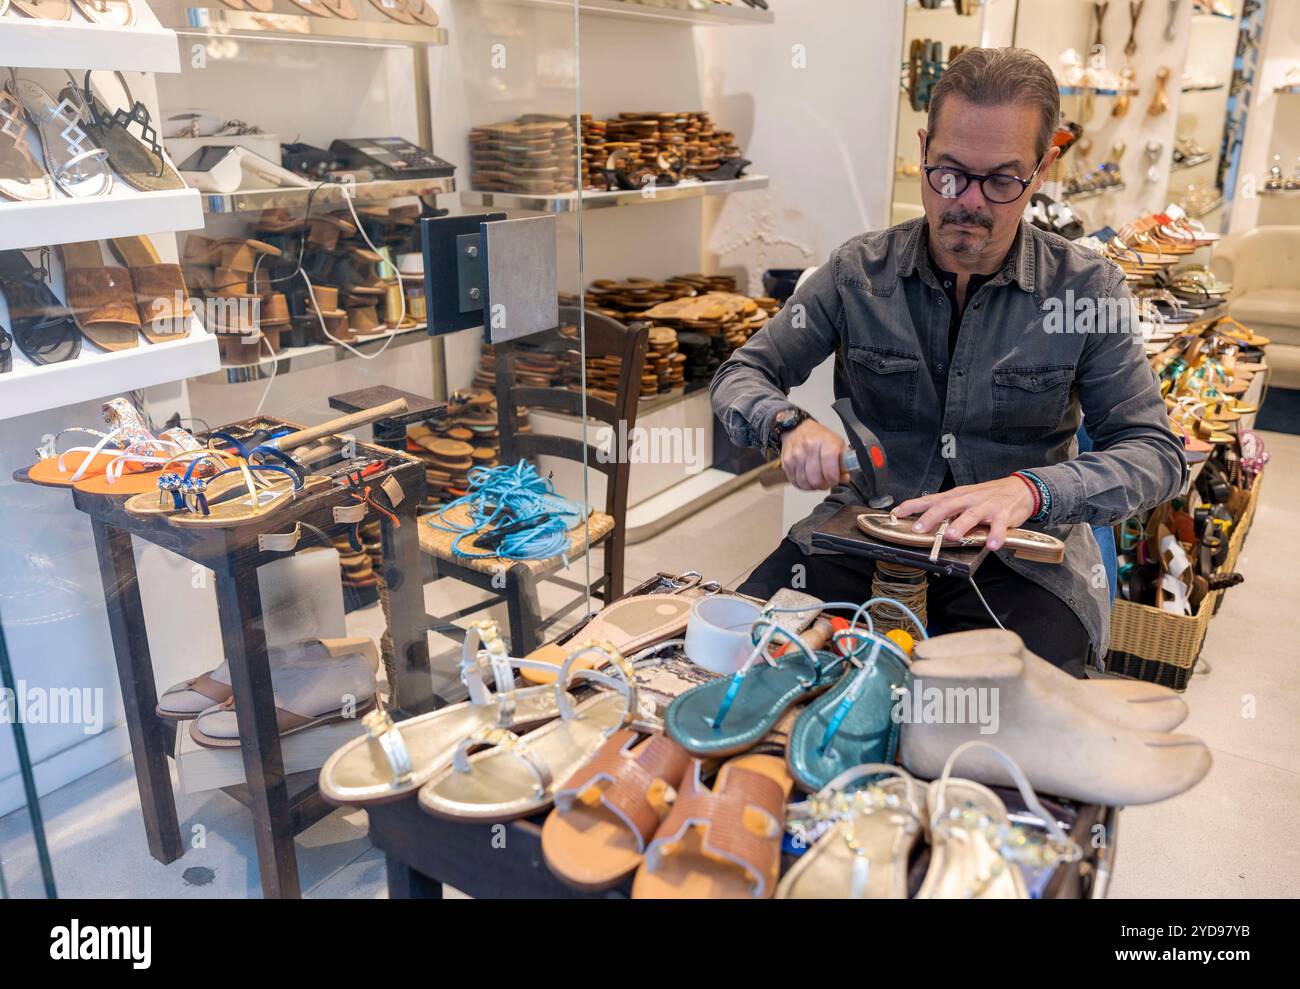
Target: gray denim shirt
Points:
x,y
1035,348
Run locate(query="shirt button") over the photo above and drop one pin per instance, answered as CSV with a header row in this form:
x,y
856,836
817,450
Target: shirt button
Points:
x,y
947,284
976,305
939,368
958,372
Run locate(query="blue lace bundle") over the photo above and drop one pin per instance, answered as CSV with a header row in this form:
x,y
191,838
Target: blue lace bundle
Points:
x,y
511,493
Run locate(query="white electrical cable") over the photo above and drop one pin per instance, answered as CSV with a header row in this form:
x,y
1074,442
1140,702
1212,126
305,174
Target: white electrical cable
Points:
x,y
986,604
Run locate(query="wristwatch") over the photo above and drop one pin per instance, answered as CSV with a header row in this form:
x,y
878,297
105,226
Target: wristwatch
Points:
x,y
782,423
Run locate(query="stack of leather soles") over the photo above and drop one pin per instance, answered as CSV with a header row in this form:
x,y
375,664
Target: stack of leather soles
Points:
x,y
361,568
467,437
534,154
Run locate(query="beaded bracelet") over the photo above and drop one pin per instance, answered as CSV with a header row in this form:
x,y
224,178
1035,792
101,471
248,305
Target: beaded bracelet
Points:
x,y
1033,490
1044,496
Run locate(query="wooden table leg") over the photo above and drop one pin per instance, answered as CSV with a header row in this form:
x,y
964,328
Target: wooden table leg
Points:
x,y
239,607
523,609
407,621
139,693
404,883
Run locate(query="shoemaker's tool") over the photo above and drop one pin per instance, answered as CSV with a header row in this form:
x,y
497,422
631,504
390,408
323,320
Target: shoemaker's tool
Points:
x,y
289,441
865,454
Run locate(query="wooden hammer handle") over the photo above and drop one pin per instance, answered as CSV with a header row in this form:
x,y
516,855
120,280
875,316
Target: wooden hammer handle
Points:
x,y
340,425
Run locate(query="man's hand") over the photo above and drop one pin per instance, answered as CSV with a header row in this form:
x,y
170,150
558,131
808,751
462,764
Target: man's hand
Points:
x,y
1001,505
810,456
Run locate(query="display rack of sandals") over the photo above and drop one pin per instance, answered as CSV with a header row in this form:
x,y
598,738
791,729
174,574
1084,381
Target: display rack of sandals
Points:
x,y
88,203
311,248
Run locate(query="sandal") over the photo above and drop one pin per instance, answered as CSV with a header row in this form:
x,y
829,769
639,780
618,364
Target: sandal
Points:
x,y
629,624
78,171
864,854
308,679
720,718
1025,544
162,299
854,723
42,328
190,698
393,759
45,10
114,13
974,846
21,176
6,351
516,776
102,299
723,843
140,161
610,809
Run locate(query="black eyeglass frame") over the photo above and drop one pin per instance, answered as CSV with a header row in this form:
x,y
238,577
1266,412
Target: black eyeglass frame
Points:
x,y
970,177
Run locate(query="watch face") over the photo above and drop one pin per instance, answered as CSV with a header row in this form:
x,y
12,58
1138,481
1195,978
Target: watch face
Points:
x,y
787,419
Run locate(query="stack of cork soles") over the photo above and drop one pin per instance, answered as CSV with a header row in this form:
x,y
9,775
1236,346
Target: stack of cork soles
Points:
x,y
468,437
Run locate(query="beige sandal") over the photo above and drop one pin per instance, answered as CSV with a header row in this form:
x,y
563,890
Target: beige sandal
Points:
x,y
1023,543
517,776
100,298
394,759
864,855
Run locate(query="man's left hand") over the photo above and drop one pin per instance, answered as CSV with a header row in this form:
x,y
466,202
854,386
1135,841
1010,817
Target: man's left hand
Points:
x,y
1000,505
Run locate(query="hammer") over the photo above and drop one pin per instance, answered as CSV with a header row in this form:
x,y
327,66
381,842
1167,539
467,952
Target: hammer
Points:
x,y
865,454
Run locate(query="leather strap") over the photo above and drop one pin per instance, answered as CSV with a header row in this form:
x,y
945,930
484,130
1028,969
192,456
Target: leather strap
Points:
x,y
720,813
629,780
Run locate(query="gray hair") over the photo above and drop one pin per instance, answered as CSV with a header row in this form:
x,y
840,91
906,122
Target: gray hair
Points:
x,y
998,76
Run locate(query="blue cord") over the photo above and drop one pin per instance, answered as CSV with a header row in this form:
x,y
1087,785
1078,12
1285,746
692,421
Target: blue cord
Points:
x,y
510,492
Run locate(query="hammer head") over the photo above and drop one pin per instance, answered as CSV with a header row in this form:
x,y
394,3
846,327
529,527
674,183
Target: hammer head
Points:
x,y
871,455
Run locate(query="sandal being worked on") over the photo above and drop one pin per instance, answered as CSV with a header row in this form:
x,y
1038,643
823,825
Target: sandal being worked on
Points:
x,y
720,844
518,776
1025,544
392,760
608,811
975,847
312,682
864,855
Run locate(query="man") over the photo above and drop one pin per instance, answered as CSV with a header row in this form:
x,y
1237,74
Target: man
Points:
x,y
970,341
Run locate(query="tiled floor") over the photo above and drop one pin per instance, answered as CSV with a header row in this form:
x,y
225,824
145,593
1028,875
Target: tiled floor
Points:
x,y
1236,834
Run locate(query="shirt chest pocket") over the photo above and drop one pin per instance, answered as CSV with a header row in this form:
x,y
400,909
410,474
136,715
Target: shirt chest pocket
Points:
x,y
884,384
1029,402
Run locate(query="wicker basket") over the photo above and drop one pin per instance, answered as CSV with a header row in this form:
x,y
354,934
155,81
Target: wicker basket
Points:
x,y
1159,646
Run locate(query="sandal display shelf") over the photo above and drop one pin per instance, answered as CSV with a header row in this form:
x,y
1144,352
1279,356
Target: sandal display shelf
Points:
x,y
1280,193
292,359
282,805
371,28
123,213
30,388
567,202
737,15
1206,211
1075,197
1196,162
1096,91
327,194
145,46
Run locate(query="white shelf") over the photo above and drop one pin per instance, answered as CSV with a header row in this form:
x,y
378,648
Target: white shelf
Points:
x,y
145,46
567,202
291,359
370,28
738,14
122,214
93,373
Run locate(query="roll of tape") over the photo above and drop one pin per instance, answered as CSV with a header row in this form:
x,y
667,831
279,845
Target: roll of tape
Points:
x,y
718,632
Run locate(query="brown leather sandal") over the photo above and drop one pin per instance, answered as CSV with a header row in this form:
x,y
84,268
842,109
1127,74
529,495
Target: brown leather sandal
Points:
x,y
45,10
724,843
609,810
162,299
101,299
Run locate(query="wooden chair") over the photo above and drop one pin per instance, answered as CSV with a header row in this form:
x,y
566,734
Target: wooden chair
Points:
x,y
605,337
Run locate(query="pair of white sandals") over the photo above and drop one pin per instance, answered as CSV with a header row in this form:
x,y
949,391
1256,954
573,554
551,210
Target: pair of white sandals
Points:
x,y
976,850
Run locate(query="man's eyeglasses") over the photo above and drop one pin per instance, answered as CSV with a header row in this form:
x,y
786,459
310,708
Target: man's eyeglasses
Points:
x,y
951,182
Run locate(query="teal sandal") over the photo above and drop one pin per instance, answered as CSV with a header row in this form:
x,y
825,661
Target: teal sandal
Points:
x,y
854,723
721,719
